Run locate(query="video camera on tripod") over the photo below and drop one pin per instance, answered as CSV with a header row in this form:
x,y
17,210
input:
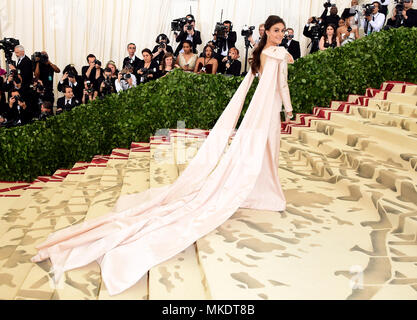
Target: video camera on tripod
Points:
x,y
177,25
8,45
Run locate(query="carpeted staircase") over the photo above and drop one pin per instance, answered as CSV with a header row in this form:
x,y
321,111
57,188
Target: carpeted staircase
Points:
x,y
349,173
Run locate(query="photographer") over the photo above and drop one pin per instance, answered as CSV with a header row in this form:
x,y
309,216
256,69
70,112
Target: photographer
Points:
x,y
46,111
354,11
314,29
292,46
148,68
333,18
67,102
226,39
114,71
93,71
19,111
231,64
71,79
188,33
106,84
89,94
132,59
374,20
255,43
39,95
161,49
126,80
23,66
407,17
44,70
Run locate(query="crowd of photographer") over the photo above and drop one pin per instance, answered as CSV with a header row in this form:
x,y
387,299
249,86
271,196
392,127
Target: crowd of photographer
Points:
x,y
331,30
29,82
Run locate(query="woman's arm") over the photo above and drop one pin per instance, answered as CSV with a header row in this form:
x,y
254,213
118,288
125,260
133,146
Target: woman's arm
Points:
x,y
337,42
196,65
215,66
283,86
321,44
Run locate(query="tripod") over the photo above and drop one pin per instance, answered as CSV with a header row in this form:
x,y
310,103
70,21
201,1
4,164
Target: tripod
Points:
x,y
247,46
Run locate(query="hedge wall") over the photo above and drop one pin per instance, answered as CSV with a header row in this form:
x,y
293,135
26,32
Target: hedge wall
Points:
x,y
102,125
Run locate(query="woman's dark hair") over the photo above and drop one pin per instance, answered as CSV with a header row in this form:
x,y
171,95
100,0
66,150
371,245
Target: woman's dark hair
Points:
x,y
204,51
189,42
160,37
91,56
163,63
255,61
334,32
148,51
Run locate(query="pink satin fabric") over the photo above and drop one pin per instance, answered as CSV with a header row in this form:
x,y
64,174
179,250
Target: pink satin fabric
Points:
x,y
149,228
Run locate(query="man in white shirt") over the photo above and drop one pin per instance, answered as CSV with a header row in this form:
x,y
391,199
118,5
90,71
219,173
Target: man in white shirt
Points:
x,y
375,21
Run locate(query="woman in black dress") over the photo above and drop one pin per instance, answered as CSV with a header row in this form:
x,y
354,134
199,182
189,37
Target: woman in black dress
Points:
x,y
208,63
161,49
330,39
147,68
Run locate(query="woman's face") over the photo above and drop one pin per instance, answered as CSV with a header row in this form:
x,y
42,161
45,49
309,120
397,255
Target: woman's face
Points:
x,y
341,23
330,31
276,33
208,52
112,68
187,48
233,54
168,61
147,57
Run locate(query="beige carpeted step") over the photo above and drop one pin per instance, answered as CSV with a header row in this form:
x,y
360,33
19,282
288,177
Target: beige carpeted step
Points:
x,y
135,180
26,231
179,278
84,283
70,210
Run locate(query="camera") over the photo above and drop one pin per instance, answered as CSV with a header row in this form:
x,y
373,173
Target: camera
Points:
x,y
316,32
220,30
18,98
162,45
247,31
41,57
15,74
90,88
97,62
8,45
369,8
178,24
314,20
327,4
126,76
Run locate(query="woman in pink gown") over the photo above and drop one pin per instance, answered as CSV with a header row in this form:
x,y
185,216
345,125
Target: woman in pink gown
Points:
x,y
151,227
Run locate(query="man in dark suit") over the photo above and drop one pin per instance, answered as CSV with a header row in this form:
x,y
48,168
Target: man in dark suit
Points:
x,y
408,16
73,80
23,66
188,33
132,59
19,112
227,42
333,18
292,46
67,102
314,29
